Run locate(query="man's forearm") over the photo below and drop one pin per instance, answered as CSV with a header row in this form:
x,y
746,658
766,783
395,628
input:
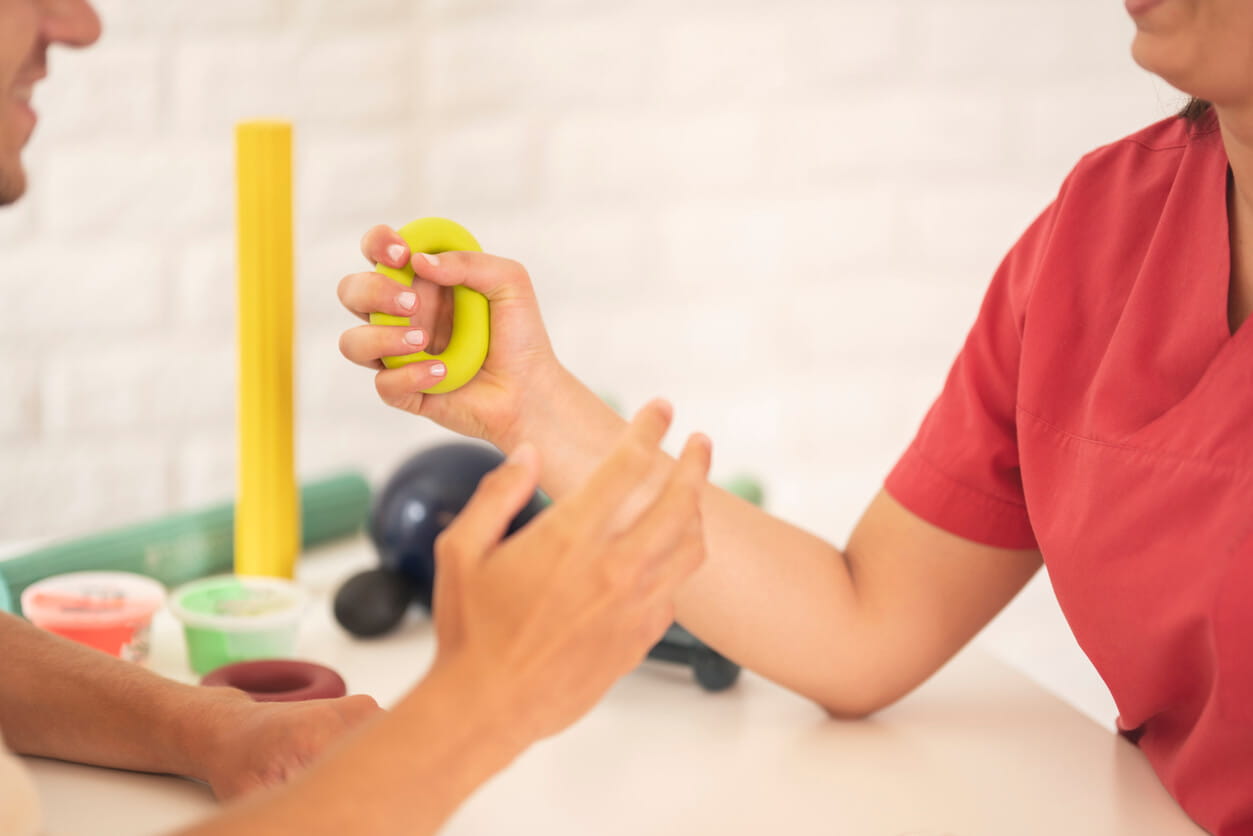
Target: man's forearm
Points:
x,y
404,772
59,699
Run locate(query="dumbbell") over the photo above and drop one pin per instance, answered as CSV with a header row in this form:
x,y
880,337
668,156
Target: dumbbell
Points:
x,y
713,671
419,501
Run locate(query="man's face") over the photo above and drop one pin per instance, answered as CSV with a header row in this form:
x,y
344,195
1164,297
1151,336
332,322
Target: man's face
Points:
x,y
27,29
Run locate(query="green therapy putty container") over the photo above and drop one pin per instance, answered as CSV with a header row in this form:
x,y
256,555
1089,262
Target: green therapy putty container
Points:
x,y
235,618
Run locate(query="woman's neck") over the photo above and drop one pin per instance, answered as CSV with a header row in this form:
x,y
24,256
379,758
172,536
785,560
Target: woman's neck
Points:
x,y
1237,133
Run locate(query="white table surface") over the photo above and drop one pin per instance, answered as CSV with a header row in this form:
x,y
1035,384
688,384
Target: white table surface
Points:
x,y
979,749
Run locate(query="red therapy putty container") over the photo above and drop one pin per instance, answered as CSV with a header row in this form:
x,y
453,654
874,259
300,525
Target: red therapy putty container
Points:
x,y
110,611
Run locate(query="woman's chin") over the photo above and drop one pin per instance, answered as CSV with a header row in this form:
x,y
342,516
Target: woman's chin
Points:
x,y
1177,67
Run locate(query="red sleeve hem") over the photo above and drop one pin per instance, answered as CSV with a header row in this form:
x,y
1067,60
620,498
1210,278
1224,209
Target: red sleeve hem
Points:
x,y
958,509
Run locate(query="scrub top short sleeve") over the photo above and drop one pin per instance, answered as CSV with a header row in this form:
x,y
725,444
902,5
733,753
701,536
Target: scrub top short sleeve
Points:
x,y
962,471
1102,411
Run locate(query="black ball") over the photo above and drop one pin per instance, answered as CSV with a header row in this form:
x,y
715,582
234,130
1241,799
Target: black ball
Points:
x,y
419,501
372,603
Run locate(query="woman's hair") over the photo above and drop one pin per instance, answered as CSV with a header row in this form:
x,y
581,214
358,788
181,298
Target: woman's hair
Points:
x,y
1196,110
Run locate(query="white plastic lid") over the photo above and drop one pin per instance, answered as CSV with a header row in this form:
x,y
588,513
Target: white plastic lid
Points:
x,y
239,603
92,599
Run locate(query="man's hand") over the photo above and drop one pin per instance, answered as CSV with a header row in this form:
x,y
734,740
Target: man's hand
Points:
x,y
553,615
241,746
532,630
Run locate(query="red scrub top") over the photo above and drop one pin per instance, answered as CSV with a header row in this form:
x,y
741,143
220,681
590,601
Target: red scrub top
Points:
x,y
1102,411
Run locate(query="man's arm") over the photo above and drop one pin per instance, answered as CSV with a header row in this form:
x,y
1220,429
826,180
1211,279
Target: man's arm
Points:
x,y
532,630
62,700
403,772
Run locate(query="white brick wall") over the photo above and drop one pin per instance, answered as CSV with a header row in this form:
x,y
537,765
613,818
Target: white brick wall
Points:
x,y
782,215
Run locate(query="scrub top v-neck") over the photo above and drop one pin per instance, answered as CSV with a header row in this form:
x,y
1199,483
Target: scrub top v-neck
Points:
x,y
1101,410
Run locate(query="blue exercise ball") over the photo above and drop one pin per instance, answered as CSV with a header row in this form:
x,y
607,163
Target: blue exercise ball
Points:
x,y
421,498
418,502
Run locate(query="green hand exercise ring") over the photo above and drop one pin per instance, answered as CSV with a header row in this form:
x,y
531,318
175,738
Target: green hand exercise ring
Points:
x,y
471,329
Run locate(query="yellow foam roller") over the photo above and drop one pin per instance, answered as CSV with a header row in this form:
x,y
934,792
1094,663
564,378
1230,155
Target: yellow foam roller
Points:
x,y
267,521
471,327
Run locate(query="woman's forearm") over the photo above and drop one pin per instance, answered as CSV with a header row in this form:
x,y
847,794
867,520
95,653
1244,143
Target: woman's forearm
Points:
x,y
771,596
853,629
780,601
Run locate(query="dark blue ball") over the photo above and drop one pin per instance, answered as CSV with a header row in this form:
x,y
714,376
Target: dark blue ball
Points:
x,y
419,501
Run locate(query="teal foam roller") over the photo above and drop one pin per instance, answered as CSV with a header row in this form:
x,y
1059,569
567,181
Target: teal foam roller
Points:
x,y
746,487
188,545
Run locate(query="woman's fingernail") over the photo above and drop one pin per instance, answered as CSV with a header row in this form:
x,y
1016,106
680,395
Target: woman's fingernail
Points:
x,y
439,370
415,337
396,252
407,300
431,259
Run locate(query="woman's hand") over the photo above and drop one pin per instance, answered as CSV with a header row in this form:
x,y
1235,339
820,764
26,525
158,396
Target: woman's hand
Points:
x,y
544,622
520,363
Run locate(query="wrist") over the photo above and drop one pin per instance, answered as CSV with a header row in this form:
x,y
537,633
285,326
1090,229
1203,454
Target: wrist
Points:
x,y
201,728
536,406
477,712
571,425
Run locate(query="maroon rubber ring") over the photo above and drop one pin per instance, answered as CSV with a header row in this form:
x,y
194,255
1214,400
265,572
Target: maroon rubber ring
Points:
x,y
279,680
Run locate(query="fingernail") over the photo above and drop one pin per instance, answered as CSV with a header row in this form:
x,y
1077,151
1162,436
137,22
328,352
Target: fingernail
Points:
x,y
439,370
396,252
407,300
415,337
431,259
